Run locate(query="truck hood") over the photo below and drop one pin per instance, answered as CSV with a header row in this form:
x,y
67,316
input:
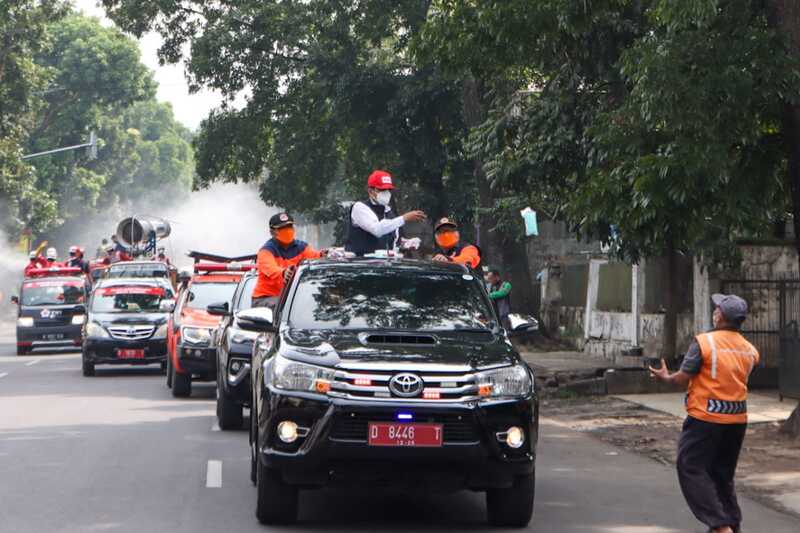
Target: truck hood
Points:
x,y
199,318
475,350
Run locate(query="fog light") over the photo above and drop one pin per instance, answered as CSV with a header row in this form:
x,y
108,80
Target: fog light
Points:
x,y
287,431
515,437
236,366
198,353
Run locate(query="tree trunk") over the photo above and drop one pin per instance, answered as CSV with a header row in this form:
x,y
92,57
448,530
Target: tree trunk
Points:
x,y
671,314
785,15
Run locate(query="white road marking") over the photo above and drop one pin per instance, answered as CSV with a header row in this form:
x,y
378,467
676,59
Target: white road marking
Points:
x,y
3,374
31,363
214,474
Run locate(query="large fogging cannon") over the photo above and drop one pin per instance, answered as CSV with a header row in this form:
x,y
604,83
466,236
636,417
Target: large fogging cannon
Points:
x,y
142,232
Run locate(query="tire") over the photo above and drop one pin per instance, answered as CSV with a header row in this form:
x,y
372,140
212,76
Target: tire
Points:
x,y
253,448
22,350
87,367
229,413
512,507
169,372
164,366
276,500
181,384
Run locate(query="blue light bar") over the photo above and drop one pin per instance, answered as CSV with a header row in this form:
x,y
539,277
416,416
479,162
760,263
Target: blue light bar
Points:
x,y
405,416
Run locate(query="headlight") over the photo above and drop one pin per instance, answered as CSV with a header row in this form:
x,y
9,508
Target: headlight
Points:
x,y
196,335
93,329
161,332
504,382
242,337
78,320
25,321
291,375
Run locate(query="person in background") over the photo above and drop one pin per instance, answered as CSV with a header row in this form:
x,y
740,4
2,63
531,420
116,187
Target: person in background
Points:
x,y
52,258
716,369
371,222
76,259
277,260
101,250
500,294
35,262
450,248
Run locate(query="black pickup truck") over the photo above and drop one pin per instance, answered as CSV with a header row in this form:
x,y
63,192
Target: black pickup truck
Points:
x,y
390,372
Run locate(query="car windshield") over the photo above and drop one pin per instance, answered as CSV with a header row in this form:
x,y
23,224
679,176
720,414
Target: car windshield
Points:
x,y
202,294
246,296
138,271
52,292
389,299
128,299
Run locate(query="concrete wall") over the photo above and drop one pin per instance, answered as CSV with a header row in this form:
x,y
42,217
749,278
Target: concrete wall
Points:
x,y
611,333
761,261
556,243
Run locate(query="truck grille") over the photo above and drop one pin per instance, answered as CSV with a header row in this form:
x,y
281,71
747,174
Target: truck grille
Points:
x,y
354,427
131,333
442,385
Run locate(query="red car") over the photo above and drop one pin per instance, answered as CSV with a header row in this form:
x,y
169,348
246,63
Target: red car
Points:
x,y
191,354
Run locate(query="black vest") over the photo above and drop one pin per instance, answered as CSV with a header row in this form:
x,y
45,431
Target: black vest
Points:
x,y
360,241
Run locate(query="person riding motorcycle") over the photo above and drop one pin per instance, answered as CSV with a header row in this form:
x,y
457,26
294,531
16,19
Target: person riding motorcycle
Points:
x,y
449,245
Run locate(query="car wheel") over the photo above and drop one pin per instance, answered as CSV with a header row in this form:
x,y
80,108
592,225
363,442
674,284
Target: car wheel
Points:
x,y
22,350
87,367
181,384
169,372
229,412
512,507
276,500
253,447
164,366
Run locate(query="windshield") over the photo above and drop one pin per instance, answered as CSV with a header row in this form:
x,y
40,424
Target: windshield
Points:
x,y
138,271
202,294
128,299
52,293
397,300
246,296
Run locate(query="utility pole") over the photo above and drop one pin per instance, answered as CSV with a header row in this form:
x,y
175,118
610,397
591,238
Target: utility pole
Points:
x,y
91,145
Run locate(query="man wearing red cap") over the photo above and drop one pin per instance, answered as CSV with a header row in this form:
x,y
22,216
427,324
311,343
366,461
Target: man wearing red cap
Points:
x,y
373,226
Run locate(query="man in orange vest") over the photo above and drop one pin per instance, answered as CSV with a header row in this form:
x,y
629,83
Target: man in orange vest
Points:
x,y
449,246
716,368
277,260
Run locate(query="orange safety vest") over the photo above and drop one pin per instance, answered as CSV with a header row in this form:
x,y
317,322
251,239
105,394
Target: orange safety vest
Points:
x,y
718,393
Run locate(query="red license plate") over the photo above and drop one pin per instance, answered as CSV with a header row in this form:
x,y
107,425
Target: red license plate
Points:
x,y
127,353
411,435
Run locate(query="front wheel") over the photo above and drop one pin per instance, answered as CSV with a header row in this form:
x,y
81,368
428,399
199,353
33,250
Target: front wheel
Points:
x,y
512,507
21,350
169,372
276,500
87,367
229,412
181,384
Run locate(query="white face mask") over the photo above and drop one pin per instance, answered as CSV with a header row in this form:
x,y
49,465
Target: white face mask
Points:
x,y
383,197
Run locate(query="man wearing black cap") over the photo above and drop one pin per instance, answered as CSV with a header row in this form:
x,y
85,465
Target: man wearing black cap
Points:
x,y
449,245
716,368
277,260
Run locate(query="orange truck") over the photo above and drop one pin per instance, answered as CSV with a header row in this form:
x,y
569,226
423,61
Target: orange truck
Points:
x,y
191,352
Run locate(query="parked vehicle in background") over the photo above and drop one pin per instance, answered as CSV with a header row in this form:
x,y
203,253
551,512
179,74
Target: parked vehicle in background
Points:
x,y
51,309
192,354
390,373
126,323
234,347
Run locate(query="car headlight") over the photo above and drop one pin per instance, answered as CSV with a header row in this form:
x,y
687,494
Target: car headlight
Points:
x,y
242,336
25,321
504,382
78,320
291,375
93,329
196,335
161,332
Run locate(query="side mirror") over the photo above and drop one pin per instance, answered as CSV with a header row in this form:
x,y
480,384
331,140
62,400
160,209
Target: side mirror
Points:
x,y
521,323
166,306
218,309
256,319
15,300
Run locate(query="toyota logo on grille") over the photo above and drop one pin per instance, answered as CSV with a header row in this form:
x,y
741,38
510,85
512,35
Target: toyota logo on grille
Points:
x,y
406,385
131,331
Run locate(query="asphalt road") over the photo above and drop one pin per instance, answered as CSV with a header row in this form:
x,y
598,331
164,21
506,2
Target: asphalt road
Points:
x,y
117,453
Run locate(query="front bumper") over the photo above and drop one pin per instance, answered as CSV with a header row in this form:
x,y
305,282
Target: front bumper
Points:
x,y
236,383
197,360
49,336
336,449
104,351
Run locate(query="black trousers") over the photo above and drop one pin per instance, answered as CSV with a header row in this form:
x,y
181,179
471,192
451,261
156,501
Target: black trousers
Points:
x,y
707,458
